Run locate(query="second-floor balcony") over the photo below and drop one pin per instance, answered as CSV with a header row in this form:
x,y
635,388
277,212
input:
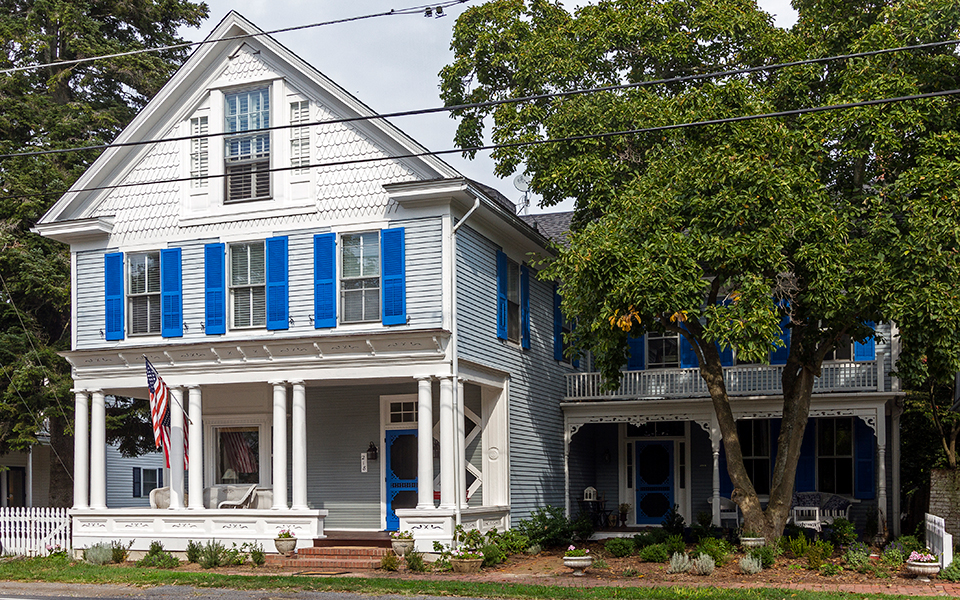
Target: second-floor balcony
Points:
x,y
741,380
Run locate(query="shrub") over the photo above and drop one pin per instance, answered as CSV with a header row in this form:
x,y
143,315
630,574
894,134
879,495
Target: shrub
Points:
x,y
651,536
233,556
952,571
798,545
492,555
511,541
620,547
389,562
120,553
857,554
673,523
679,563
830,569
156,556
655,553
257,556
675,544
817,552
98,554
703,565
416,563
214,554
194,548
547,527
750,565
582,528
894,555
842,532
910,544
765,554
716,549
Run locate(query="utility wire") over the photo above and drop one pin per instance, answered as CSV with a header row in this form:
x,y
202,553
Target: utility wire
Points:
x,y
392,12
574,138
489,103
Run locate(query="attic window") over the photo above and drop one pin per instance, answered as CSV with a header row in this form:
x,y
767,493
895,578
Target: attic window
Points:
x,y
247,152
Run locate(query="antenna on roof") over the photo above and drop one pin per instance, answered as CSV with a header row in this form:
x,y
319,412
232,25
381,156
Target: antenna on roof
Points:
x,y
522,183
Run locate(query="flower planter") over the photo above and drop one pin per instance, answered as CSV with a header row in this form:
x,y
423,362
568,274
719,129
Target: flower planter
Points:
x,y
753,542
466,566
578,564
922,569
285,545
402,547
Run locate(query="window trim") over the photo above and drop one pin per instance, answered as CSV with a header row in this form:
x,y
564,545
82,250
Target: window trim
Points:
x,y
254,161
231,287
656,335
852,457
130,295
342,278
265,430
758,457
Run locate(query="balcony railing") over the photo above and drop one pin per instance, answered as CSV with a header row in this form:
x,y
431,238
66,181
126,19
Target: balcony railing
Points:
x,y
742,380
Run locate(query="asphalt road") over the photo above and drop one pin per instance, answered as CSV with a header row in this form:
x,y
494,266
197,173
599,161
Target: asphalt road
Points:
x,y
45,591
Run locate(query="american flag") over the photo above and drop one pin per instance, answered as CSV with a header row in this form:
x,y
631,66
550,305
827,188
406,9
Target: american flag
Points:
x,y
160,415
238,452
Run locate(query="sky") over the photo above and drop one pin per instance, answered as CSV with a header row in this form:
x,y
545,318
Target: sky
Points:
x,y
391,63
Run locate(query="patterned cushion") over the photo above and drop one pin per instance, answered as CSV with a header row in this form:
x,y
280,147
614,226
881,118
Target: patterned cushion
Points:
x,y
806,499
836,503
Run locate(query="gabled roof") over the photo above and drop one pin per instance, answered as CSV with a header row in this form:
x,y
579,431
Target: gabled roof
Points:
x,y
553,226
181,96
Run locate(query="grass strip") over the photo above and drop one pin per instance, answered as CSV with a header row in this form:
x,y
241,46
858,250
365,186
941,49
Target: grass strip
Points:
x,y
61,570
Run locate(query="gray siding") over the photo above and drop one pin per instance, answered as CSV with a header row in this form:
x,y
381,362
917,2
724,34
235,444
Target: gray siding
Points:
x,y
423,247
120,477
536,380
701,471
588,467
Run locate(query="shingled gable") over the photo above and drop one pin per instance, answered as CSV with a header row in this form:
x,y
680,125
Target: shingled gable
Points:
x,y
81,214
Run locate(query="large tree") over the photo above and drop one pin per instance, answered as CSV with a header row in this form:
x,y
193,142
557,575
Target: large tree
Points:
x,y
47,108
724,233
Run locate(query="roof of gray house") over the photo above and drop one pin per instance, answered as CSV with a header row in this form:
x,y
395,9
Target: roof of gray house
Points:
x,y
554,226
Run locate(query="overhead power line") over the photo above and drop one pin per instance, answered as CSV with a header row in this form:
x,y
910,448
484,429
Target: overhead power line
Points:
x,y
574,138
413,10
490,103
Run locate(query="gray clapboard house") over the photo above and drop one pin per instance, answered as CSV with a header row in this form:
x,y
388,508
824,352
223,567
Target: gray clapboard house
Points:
x,y
357,341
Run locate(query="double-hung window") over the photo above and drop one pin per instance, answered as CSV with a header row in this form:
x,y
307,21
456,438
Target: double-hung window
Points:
x,y
143,277
145,481
246,150
843,350
835,455
663,350
755,444
360,282
248,285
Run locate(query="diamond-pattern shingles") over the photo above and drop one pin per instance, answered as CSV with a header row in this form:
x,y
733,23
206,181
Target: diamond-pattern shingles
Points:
x,y
149,210
246,66
352,190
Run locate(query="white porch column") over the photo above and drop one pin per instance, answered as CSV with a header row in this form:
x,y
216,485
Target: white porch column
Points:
x,y
884,511
81,448
424,443
98,451
29,482
715,446
299,446
895,464
461,456
279,445
175,406
447,433
196,447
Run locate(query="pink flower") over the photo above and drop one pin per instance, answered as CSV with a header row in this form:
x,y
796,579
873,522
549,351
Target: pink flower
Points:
x,y
572,547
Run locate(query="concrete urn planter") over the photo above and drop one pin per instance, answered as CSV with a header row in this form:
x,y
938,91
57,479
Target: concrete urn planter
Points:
x,y
285,545
753,542
578,563
466,566
922,569
402,547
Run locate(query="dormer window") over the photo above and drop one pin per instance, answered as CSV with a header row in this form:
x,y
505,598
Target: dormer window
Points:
x,y
247,155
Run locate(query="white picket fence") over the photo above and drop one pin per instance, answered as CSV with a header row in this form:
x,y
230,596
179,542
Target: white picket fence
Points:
x,y
33,531
938,540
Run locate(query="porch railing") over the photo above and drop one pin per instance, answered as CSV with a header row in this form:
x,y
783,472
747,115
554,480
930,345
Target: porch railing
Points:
x,y
34,531
938,540
742,380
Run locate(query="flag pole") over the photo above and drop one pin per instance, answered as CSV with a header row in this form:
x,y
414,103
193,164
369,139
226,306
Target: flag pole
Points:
x,y
172,397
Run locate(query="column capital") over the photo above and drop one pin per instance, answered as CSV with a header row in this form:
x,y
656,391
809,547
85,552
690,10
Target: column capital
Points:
x,y
424,377
95,391
276,382
297,382
192,386
445,377
80,391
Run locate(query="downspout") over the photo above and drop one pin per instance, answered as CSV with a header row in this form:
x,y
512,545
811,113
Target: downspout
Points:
x,y
457,409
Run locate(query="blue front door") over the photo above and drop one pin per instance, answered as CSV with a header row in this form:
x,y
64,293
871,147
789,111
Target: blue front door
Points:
x,y
401,466
654,481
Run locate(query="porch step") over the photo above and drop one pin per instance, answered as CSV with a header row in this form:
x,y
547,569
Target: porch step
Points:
x,y
369,539
332,558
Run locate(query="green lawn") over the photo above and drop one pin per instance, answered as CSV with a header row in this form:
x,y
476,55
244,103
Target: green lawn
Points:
x,y
59,569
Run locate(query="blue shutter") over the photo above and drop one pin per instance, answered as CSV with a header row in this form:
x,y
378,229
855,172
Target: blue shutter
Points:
x,y
277,284
863,460
214,290
502,295
171,293
688,358
638,354
325,280
136,483
726,484
159,477
394,279
726,356
113,295
867,350
524,307
778,356
557,326
806,480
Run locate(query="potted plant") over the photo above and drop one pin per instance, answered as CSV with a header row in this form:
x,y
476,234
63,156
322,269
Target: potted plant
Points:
x,y
922,564
285,542
577,559
402,542
751,539
624,511
466,560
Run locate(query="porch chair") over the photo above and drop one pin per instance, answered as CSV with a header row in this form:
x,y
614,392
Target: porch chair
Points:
x,y
244,502
806,516
729,510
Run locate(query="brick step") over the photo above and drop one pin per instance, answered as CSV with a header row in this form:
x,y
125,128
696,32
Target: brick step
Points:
x,y
354,538
364,551
323,563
